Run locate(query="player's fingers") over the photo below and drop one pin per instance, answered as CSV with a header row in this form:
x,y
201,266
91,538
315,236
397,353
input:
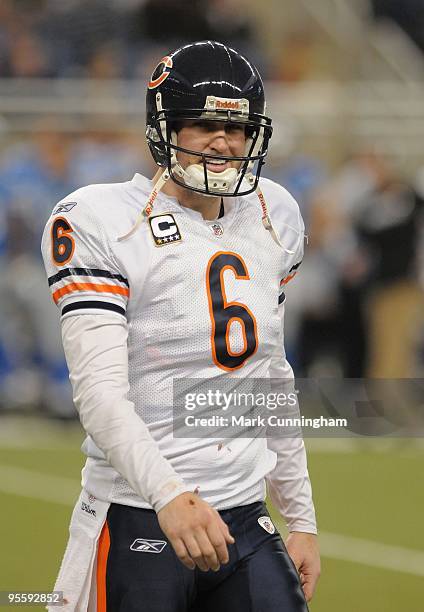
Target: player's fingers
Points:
x,y
296,562
225,531
207,549
219,543
195,553
307,591
223,527
309,585
182,553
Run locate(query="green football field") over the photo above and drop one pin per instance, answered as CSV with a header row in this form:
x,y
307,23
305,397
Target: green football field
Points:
x,y
369,497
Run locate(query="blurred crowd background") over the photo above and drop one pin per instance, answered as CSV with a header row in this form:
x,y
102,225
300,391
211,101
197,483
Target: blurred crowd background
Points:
x,y
345,85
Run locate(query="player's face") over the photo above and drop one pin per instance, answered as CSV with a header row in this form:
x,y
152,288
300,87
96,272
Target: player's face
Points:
x,y
214,138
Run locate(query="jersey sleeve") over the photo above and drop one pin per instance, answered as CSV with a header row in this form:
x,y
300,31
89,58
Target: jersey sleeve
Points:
x,y
289,485
97,357
83,274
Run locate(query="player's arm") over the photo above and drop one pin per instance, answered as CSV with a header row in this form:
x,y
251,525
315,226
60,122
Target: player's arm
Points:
x,y
95,346
97,357
289,485
92,292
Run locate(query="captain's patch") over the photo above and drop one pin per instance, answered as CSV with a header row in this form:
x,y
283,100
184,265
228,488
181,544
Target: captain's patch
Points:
x,y
164,229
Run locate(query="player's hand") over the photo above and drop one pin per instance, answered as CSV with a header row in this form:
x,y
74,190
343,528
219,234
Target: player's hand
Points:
x,y
196,531
304,552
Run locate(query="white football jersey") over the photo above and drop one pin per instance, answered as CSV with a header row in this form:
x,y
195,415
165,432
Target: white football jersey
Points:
x,y
201,300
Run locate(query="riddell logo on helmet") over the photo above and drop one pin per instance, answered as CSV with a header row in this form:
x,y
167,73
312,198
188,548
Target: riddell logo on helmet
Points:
x,y
215,103
230,104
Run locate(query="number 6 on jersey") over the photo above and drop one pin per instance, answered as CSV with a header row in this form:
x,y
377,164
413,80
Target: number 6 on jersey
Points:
x,y
63,244
224,313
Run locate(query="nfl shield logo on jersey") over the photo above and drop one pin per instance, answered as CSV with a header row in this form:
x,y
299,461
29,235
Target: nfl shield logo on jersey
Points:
x,y
164,229
266,523
217,228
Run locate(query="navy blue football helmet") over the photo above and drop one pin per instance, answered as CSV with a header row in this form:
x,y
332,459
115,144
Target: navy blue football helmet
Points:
x,y
212,82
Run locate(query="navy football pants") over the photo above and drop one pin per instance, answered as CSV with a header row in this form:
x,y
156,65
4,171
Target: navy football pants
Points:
x,y
142,573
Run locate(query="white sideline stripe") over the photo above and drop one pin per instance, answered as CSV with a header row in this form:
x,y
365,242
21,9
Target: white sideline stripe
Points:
x,y
64,491
374,554
36,485
404,446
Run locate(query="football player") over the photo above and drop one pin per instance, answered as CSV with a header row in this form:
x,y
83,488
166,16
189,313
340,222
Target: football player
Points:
x,y
180,277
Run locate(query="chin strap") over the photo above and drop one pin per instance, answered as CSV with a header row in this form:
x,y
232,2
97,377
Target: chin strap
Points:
x,y
266,220
147,210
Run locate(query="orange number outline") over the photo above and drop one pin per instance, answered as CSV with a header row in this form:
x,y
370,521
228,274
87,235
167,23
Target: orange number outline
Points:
x,y
61,233
227,304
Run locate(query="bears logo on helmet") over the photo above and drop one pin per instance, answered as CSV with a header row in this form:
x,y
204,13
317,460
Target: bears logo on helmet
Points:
x,y
165,62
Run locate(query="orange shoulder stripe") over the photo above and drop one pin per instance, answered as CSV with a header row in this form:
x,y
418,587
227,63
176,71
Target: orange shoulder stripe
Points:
x,y
287,279
89,287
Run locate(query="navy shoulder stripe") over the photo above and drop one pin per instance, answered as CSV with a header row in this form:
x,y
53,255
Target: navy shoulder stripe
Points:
x,y
86,272
93,304
295,267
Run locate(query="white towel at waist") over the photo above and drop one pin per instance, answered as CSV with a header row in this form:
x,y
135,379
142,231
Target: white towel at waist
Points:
x,y
75,578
